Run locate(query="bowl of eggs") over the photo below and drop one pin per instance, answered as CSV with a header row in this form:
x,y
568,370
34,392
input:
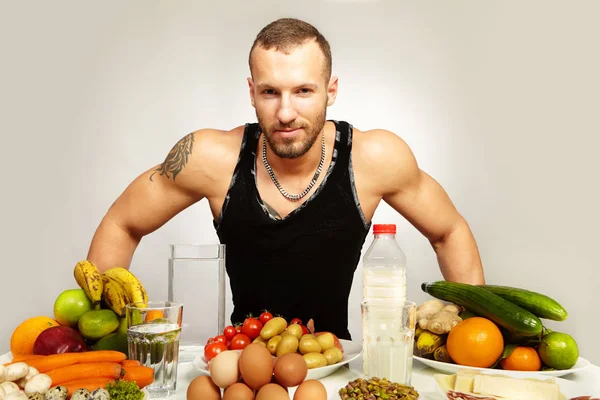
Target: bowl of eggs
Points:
x,y
254,374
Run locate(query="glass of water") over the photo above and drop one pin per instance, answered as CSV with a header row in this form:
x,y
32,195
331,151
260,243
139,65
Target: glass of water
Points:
x,y
388,338
153,331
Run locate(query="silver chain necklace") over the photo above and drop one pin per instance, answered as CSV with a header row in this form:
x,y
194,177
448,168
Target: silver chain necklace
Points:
x,y
294,197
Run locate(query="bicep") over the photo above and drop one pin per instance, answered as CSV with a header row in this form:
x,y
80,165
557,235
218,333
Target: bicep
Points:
x,y
150,201
425,204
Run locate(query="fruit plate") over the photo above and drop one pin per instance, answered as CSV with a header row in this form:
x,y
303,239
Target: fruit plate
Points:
x,y
568,389
453,368
352,350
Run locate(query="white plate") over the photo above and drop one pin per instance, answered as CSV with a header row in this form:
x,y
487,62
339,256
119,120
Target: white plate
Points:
x,y
453,368
352,350
569,389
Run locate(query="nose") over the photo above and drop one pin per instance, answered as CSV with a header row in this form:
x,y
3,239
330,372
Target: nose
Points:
x,y
286,113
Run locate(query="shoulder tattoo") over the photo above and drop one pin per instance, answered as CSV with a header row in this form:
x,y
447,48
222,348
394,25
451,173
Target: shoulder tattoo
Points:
x,y
177,158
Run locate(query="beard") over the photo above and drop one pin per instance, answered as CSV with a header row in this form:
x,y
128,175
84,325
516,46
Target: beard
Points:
x,y
293,147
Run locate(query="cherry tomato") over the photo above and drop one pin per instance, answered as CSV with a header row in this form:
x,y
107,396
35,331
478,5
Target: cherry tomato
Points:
x,y
213,349
264,317
210,340
238,328
251,328
239,342
220,339
296,321
229,332
304,330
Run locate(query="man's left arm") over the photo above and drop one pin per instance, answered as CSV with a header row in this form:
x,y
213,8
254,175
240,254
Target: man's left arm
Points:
x,y
426,205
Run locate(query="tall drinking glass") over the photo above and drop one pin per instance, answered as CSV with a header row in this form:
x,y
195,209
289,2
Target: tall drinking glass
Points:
x,y
153,331
388,337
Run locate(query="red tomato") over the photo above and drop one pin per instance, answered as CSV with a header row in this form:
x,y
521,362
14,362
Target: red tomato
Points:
x,y
304,330
229,332
239,342
210,340
296,321
238,328
264,317
251,328
213,349
220,339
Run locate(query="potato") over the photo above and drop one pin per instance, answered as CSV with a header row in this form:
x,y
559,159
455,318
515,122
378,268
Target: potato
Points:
x,y
273,343
295,329
333,355
273,327
315,360
326,341
309,345
288,344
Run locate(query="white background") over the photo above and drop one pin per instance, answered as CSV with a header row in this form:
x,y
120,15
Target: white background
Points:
x,y
498,100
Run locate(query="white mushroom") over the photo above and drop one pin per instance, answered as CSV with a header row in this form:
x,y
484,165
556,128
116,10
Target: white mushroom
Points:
x,y
2,393
9,387
16,396
16,371
2,373
39,383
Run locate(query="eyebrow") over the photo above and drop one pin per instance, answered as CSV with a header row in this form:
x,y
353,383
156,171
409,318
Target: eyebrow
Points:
x,y
263,86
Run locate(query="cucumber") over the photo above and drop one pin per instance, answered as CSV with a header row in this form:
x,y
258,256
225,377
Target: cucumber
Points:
x,y
536,303
486,304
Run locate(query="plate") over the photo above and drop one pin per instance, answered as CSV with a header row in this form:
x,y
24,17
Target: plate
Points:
x,y
569,389
453,368
352,350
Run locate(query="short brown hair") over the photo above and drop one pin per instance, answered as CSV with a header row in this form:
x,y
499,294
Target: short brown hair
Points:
x,y
287,33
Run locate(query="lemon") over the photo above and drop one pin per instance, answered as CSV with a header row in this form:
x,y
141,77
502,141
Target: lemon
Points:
x,y
558,350
70,305
97,323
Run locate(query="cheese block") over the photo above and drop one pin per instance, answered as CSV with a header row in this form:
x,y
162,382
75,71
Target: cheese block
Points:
x,y
471,384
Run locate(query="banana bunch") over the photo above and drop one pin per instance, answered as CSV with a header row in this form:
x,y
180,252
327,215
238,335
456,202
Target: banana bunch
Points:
x,y
116,287
427,343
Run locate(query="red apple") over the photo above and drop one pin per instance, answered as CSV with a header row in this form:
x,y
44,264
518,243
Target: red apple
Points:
x,y
59,339
336,341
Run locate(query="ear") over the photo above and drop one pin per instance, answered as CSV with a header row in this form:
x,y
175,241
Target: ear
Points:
x,y
251,87
332,90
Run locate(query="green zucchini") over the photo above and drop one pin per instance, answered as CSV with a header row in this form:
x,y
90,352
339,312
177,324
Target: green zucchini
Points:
x,y
486,304
536,303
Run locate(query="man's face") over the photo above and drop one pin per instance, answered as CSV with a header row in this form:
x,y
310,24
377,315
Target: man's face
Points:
x,y
290,93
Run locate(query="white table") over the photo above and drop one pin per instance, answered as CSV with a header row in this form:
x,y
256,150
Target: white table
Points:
x,y
588,380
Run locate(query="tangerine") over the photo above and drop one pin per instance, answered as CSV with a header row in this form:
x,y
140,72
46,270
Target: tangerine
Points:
x,y
153,314
475,342
522,359
25,334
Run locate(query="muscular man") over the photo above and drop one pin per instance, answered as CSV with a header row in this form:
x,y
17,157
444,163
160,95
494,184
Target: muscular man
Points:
x,y
293,195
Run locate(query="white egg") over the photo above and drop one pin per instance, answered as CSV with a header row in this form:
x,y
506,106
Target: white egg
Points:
x,y
224,370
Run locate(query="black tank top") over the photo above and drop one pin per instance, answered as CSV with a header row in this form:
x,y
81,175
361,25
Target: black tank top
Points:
x,y
301,266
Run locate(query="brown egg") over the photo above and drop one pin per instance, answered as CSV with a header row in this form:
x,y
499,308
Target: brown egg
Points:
x,y
272,391
203,388
310,390
238,391
224,369
290,369
256,365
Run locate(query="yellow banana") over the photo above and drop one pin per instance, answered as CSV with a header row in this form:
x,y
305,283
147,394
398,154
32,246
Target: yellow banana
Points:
x,y
114,295
427,343
136,293
89,279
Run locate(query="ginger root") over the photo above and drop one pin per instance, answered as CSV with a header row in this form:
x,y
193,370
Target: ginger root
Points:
x,y
428,309
441,322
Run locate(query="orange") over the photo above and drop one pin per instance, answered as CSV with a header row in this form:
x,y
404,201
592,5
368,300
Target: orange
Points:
x,y
475,342
522,359
153,314
24,336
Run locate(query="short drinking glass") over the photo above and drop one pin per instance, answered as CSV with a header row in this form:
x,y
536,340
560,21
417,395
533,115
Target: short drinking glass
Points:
x,y
388,337
153,331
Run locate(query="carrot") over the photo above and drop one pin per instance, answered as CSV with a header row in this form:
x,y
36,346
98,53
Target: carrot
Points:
x,y
53,361
130,363
86,383
23,358
142,375
102,369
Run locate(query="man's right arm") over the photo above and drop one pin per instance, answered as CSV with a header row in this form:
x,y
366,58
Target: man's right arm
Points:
x,y
150,201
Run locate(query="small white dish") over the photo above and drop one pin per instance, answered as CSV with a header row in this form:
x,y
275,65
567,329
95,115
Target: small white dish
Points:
x,y
352,350
453,368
